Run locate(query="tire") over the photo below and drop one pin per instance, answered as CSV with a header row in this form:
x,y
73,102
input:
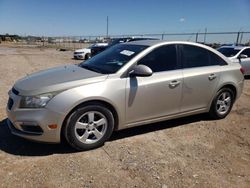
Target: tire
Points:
x,y
222,103
87,56
89,127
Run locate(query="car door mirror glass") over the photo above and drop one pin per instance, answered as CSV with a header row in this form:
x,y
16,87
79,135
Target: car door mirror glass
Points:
x,y
141,71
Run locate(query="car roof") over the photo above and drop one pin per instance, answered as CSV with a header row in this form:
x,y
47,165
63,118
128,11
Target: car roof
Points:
x,y
152,44
165,42
236,47
146,42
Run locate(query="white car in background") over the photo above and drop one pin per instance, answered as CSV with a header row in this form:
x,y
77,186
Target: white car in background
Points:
x,y
85,53
238,54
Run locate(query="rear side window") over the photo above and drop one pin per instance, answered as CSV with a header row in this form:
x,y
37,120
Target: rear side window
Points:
x,y
216,60
161,59
193,56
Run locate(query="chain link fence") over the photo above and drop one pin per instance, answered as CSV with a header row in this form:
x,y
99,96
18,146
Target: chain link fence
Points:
x,y
213,39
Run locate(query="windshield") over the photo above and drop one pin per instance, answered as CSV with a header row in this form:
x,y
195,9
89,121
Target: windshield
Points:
x,y
112,59
117,41
229,52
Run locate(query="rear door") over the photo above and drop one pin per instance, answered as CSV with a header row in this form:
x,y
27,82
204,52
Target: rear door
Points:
x,y
201,73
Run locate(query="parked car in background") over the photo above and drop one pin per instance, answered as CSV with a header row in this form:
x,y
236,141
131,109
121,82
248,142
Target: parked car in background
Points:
x,y
238,54
127,85
85,53
97,49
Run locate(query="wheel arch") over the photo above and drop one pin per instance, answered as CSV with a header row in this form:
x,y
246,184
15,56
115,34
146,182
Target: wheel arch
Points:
x,y
86,55
227,85
213,113
232,87
91,102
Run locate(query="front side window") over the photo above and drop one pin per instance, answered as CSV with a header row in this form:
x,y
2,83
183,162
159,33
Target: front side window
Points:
x,y
193,56
163,58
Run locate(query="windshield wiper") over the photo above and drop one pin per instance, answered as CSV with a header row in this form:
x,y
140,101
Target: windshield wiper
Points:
x,y
91,68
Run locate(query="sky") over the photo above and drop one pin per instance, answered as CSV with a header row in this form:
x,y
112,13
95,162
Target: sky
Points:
x,y
88,17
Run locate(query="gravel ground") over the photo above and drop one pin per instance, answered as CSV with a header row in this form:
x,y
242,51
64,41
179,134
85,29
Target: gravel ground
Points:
x,y
187,152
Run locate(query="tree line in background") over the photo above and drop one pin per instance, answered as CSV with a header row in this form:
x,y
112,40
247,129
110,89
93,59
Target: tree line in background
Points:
x,y
16,38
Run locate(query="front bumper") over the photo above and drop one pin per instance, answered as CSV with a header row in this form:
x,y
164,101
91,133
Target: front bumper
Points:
x,y
33,124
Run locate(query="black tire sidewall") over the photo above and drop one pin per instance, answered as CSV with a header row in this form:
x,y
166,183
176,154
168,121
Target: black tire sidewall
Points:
x,y
70,127
87,56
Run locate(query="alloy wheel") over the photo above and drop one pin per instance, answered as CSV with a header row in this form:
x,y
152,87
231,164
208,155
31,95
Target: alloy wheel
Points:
x,y
90,127
223,103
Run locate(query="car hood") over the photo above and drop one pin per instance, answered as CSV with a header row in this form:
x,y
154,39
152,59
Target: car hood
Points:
x,y
56,79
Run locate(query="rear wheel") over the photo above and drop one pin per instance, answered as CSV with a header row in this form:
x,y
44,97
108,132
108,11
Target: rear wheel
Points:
x,y
222,103
89,127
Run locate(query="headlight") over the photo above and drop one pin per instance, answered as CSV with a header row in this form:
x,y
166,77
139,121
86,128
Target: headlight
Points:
x,y
39,101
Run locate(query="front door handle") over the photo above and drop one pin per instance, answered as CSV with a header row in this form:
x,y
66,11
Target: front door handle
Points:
x,y
212,76
174,83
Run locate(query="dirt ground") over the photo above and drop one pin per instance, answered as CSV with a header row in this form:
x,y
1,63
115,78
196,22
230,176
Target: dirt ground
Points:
x,y
188,152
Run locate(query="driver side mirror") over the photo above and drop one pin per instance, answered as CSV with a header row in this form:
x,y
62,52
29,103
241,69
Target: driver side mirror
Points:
x,y
242,56
141,71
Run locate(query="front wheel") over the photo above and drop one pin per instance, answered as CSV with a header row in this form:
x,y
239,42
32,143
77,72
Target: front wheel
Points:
x,y
87,56
222,103
89,127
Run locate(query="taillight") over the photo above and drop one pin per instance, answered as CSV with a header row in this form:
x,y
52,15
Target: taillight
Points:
x,y
242,70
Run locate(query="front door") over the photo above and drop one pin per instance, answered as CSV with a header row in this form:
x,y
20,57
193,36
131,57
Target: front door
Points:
x,y
158,95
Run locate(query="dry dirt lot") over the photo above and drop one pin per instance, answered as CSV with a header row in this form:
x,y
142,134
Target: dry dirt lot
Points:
x,y
188,152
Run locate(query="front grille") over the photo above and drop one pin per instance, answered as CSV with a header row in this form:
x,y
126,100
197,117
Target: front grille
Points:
x,y
14,91
10,103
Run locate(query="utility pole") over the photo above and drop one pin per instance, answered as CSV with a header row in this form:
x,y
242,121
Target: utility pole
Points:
x,y
205,35
241,36
237,40
196,37
107,26
238,36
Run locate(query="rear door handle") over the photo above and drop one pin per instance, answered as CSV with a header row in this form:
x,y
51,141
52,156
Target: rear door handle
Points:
x,y
212,76
174,83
